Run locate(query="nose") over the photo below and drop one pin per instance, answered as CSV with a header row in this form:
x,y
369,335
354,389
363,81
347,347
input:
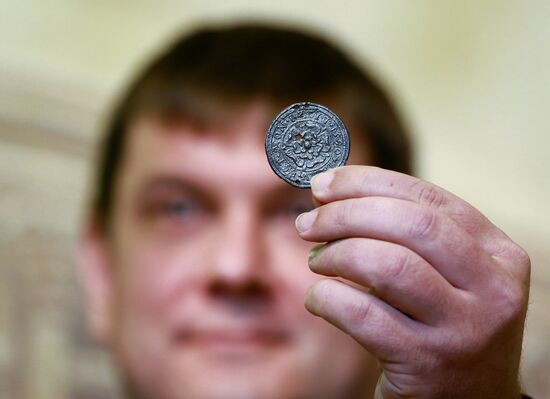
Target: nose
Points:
x,y
239,246
238,274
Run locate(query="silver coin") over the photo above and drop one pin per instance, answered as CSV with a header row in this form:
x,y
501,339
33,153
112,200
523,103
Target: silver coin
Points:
x,y
303,140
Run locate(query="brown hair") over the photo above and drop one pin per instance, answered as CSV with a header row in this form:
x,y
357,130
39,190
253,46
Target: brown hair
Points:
x,y
205,72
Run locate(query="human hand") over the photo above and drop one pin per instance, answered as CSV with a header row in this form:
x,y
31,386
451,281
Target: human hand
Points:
x,y
431,287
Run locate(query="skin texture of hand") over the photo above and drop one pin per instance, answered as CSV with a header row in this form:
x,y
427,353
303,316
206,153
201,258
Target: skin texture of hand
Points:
x,y
420,279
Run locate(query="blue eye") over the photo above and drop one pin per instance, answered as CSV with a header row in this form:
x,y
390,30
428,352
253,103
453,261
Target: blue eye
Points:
x,y
296,208
179,208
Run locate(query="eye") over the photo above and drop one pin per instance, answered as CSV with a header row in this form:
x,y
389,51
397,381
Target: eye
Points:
x,y
177,208
296,207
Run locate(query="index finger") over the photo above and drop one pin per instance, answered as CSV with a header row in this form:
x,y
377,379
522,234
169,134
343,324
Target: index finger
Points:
x,y
357,181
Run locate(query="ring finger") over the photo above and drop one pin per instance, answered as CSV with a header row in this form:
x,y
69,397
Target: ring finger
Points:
x,y
398,276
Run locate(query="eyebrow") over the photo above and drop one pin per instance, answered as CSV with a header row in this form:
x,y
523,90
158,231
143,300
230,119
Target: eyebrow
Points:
x,y
173,182
286,189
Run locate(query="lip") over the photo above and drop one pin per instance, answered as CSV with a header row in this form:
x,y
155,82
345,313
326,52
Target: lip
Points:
x,y
231,339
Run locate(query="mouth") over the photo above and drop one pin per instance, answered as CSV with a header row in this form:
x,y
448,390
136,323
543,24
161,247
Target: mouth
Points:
x,y
232,340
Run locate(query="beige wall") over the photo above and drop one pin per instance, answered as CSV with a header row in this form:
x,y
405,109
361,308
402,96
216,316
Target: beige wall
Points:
x,y
473,78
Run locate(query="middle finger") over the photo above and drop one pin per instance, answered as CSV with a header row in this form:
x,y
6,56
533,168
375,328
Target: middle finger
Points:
x,y
441,242
399,276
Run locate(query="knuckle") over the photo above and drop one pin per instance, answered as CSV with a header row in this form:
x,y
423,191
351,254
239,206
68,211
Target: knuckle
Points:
x,y
359,313
364,176
521,257
397,264
429,195
350,254
508,305
511,303
524,258
481,327
339,179
516,257
342,215
423,225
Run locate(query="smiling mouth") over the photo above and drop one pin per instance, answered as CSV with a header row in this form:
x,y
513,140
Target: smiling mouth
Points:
x,y
232,340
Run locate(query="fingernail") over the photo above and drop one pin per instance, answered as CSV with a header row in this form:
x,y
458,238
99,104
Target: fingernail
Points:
x,y
307,300
320,183
314,255
310,303
305,221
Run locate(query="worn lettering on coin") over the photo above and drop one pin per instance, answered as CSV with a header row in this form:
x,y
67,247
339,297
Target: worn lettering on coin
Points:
x,y
306,139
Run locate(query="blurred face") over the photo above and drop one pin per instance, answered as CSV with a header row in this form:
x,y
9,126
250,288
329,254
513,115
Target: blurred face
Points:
x,y
206,275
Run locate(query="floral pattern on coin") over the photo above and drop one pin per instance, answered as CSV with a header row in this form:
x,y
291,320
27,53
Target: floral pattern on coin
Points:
x,y
303,140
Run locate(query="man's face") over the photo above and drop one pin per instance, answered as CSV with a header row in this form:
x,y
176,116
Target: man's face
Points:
x,y
208,276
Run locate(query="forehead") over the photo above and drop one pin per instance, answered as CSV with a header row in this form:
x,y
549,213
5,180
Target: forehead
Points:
x,y
220,155
229,156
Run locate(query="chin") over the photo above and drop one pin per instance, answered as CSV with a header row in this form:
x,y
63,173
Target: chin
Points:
x,y
227,376
244,374
241,369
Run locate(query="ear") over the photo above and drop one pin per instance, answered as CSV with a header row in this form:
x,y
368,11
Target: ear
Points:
x,y
96,276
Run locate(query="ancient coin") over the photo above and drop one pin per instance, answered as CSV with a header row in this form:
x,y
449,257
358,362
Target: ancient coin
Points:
x,y
303,140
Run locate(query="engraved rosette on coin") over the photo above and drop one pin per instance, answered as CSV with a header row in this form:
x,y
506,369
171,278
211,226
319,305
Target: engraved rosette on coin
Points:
x,y
303,140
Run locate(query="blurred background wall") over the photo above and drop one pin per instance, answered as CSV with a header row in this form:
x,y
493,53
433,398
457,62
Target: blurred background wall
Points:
x,y
473,78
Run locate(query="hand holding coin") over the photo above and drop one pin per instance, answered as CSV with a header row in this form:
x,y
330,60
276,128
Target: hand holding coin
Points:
x,y
451,289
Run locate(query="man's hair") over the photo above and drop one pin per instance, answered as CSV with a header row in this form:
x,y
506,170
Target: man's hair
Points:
x,y
207,72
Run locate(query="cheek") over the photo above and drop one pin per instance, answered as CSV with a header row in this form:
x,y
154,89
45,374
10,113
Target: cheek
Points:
x,y
288,261
288,256
328,353
155,273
